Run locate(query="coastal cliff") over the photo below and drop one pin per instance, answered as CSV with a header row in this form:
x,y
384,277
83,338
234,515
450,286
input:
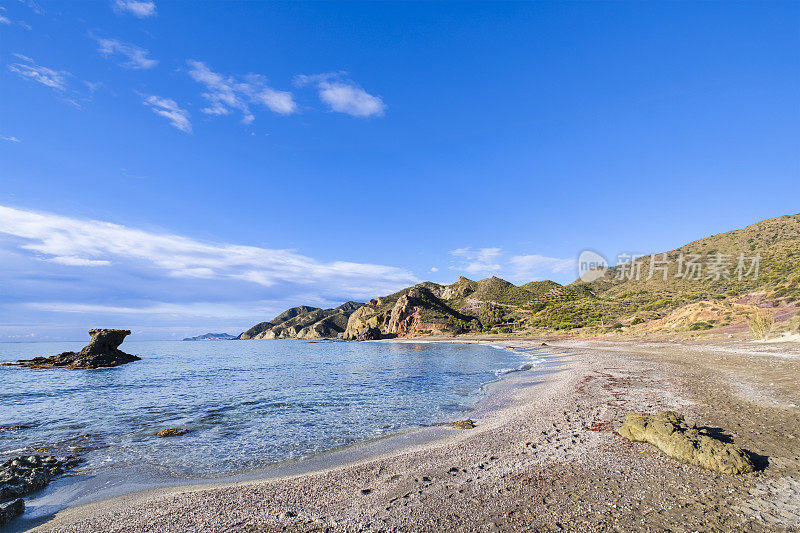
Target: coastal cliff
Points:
x,y
413,311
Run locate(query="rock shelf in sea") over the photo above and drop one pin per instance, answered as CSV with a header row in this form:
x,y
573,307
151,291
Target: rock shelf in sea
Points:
x,y
102,351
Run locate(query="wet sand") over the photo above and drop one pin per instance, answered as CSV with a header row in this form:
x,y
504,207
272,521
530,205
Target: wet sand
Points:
x,y
543,456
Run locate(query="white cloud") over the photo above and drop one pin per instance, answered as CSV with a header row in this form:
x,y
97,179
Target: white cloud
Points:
x,y
136,57
434,269
94,243
137,8
480,260
10,139
179,118
55,79
4,20
344,95
225,93
515,268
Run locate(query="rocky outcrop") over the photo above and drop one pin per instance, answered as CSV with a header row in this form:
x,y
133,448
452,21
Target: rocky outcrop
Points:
x,y
369,334
25,475
670,433
102,351
462,288
349,307
304,322
413,311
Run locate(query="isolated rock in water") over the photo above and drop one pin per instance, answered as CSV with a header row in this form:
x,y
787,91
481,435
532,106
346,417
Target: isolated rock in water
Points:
x,y
10,510
671,434
102,351
172,432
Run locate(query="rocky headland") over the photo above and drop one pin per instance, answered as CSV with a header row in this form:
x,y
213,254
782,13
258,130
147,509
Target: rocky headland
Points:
x,y
102,351
213,337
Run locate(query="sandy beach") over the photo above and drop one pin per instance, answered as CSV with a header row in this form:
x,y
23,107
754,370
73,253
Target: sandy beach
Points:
x,y
543,456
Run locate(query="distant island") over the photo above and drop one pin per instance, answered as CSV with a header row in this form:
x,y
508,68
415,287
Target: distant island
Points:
x,y
213,337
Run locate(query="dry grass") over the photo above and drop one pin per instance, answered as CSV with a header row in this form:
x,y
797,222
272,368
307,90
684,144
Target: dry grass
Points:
x,y
761,323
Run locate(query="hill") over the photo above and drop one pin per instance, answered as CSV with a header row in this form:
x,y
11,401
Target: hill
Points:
x,y
304,322
763,258
709,283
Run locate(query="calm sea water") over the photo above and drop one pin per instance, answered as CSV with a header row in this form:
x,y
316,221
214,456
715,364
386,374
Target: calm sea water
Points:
x,y
247,403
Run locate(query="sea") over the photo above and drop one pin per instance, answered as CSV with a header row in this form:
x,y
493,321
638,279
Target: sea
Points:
x,y
244,405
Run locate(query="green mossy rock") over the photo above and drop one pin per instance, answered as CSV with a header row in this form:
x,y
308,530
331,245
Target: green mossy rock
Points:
x,y
670,433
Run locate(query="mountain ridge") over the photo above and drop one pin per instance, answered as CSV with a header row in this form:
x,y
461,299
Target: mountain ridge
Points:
x,y
620,298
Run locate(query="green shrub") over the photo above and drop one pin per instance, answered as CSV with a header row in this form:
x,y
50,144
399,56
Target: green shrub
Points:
x,y
700,326
637,320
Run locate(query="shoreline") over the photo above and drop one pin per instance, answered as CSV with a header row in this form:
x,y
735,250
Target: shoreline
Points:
x,y
548,459
145,482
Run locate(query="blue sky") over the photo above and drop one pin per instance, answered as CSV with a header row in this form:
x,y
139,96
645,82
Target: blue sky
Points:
x,y
177,167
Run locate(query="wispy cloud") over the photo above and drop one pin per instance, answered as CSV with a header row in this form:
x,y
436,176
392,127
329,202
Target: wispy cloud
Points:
x,y
137,8
136,57
226,93
93,86
33,6
169,109
28,69
474,261
194,309
91,243
344,95
10,139
534,264
516,268
4,20
78,261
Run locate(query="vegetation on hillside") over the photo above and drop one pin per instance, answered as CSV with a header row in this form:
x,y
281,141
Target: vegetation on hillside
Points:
x,y
703,285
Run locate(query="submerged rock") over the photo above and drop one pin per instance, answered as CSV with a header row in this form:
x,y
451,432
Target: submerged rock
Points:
x,y
102,351
15,427
670,433
10,510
